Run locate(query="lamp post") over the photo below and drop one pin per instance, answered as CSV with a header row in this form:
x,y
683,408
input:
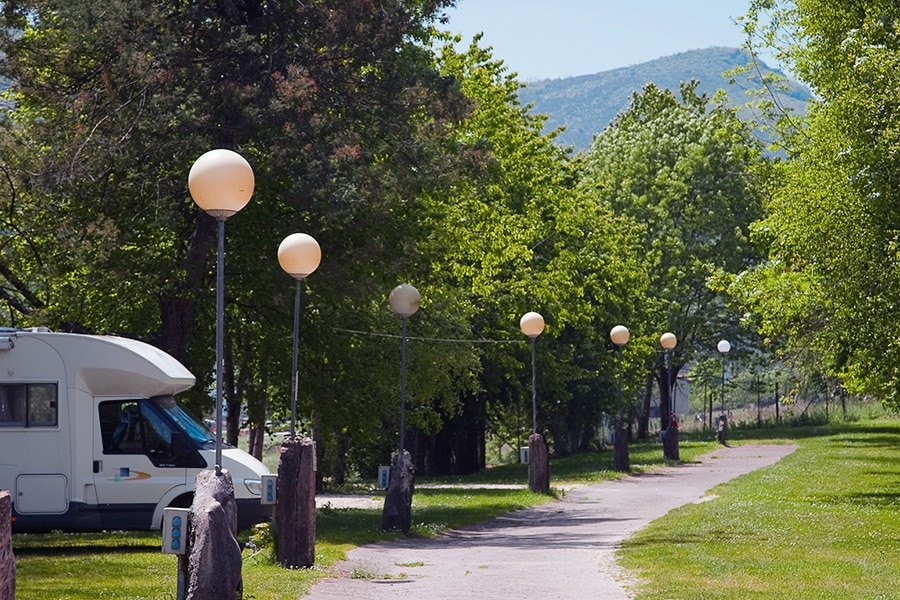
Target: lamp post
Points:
x,y
221,183
620,336
299,256
295,511
404,300
722,428
668,341
723,347
397,514
669,420
532,325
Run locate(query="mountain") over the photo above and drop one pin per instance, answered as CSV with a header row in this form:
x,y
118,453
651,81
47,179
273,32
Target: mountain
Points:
x,y
588,103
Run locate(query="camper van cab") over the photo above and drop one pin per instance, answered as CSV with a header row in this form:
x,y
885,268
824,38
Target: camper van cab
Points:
x,y
92,438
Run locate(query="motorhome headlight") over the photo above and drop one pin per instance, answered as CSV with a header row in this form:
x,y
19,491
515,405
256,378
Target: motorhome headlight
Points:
x,y
254,486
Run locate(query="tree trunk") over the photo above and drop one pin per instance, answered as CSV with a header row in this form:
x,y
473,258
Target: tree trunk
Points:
x,y
397,513
458,448
230,395
176,310
538,465
665,395
295,511
214,565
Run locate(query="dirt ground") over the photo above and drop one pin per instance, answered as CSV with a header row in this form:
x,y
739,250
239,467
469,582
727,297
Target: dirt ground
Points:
x,y
561,550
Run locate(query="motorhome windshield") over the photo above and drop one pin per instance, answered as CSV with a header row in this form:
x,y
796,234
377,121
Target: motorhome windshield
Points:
x,y
196,431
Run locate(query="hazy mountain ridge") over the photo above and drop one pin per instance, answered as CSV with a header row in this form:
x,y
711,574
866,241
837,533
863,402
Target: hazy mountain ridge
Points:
x,y
588,103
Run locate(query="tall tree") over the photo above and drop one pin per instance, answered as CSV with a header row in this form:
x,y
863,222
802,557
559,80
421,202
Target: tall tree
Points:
x,y
336,105
831,281
690,174
517,237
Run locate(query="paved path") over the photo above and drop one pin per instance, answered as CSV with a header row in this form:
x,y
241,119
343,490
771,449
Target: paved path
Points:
x,y
560,550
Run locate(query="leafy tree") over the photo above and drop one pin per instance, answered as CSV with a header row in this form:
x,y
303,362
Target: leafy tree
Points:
x,y
691,175
337,107
831,283
515,237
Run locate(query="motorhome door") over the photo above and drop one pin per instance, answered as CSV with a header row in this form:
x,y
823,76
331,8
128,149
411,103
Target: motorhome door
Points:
x,y
135,462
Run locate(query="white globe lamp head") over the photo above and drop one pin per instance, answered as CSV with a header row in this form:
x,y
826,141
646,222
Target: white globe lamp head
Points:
x,y
221,183
619,335
668,340
404,300
299,255
532,324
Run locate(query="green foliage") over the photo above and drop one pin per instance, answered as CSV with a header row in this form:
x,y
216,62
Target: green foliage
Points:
x,y
830,287
339,110
689,178
519,237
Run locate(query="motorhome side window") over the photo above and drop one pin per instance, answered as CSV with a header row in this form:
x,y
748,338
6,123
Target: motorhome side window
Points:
x,y
127,429
28,405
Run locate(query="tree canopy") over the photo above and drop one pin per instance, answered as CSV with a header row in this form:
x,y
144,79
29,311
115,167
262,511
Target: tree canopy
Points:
x,y
691,176
831,284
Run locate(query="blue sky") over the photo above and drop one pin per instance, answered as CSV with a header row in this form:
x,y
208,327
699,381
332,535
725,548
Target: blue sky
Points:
x,y
547,39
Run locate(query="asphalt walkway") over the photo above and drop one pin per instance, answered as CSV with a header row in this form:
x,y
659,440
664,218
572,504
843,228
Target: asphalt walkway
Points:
x,y
560,550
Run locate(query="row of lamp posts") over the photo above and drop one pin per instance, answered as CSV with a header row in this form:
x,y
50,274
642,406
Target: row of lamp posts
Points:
x,y
221,182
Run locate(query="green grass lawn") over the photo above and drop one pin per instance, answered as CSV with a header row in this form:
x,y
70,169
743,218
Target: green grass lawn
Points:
x,y
823,523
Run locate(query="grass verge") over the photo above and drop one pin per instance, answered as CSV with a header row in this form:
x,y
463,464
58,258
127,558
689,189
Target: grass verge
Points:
x,y
821,524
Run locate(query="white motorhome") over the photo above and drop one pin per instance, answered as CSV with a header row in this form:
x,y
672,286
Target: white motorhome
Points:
x,y
91,436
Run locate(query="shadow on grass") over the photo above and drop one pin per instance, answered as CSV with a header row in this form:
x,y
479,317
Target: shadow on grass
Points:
x,y
84,549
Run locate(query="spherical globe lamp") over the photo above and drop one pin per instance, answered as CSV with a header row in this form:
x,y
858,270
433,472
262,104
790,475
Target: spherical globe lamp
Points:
x,y
532,324
404,300
619,335
221,183
299,255
668,340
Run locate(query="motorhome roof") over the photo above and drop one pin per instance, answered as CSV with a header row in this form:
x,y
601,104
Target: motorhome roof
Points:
x,y
109,365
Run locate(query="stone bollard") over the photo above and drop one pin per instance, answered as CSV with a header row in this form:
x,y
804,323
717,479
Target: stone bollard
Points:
x,y
214,564
621,459
295,511
538,464
397,513
7,560
722,430
670,445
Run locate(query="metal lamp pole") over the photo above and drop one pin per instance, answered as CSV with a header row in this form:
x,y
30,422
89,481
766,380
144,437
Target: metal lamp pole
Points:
x,y
404,300
668,341
532,325
299,256
620,336
221,183
723,346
